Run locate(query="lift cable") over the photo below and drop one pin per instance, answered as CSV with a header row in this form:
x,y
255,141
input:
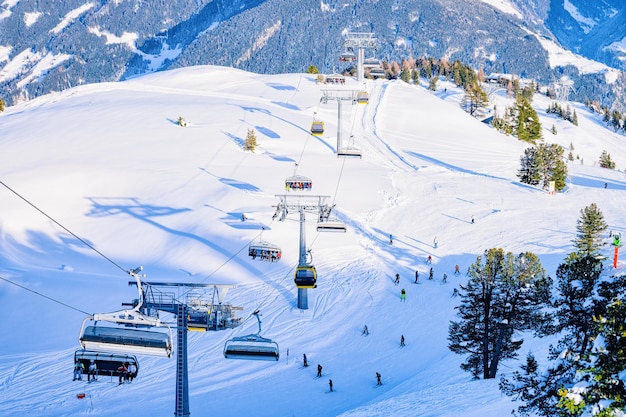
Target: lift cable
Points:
x,y
45,296
64,228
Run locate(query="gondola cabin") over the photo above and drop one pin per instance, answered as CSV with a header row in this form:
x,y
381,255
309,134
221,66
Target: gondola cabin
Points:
x,y
305,276
362,97
264,251
251,347
108,364
126,340
198,321
298,183
317,128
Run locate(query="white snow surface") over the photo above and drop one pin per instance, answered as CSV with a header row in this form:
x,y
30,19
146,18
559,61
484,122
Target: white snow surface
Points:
x,y
108,163
504,6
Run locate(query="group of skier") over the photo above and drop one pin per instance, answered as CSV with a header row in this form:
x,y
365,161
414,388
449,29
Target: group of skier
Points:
x,y
319,374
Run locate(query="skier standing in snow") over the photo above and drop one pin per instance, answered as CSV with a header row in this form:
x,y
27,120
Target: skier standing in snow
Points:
x,y
365,330
319,370
390,239
430,274
402,340
445,277
330,384
417,275
378,381
304,361
456,269
435,242
403,295
397,280
429,260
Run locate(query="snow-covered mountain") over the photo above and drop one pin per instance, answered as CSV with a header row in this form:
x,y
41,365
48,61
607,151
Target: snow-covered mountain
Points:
x,y
51,46
100,178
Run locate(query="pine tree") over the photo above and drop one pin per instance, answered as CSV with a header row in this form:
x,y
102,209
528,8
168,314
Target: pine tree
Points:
x,y
542,165
405,75
250,143
432,84
589,230
2,106
577,280
527,124
606,161
475,100
537,389
312,69
527,173
504,295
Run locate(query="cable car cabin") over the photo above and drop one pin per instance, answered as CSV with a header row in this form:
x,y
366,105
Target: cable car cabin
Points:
x,y
349,153
362,97
298,182
108,364
198,321
305,276
264,251
126,340
317,128
251,347
331,226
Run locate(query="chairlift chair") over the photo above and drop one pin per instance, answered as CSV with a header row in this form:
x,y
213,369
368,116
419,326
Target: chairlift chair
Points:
x,y
378,73
330,225
125,340
107,363
298,182
349,152
251,346
305,276
264,251
127,332
347,56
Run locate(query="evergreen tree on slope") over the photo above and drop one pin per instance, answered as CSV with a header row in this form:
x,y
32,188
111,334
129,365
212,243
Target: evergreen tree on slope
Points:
x,y
504,295
589,230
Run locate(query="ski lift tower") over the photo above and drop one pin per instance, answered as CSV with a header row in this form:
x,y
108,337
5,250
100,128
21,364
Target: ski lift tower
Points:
x,y
339,96
360,42
301,204
158,296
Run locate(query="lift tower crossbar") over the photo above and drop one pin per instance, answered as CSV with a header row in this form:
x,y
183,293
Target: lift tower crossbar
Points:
x,y
301,204
360,42
339,96
155,301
